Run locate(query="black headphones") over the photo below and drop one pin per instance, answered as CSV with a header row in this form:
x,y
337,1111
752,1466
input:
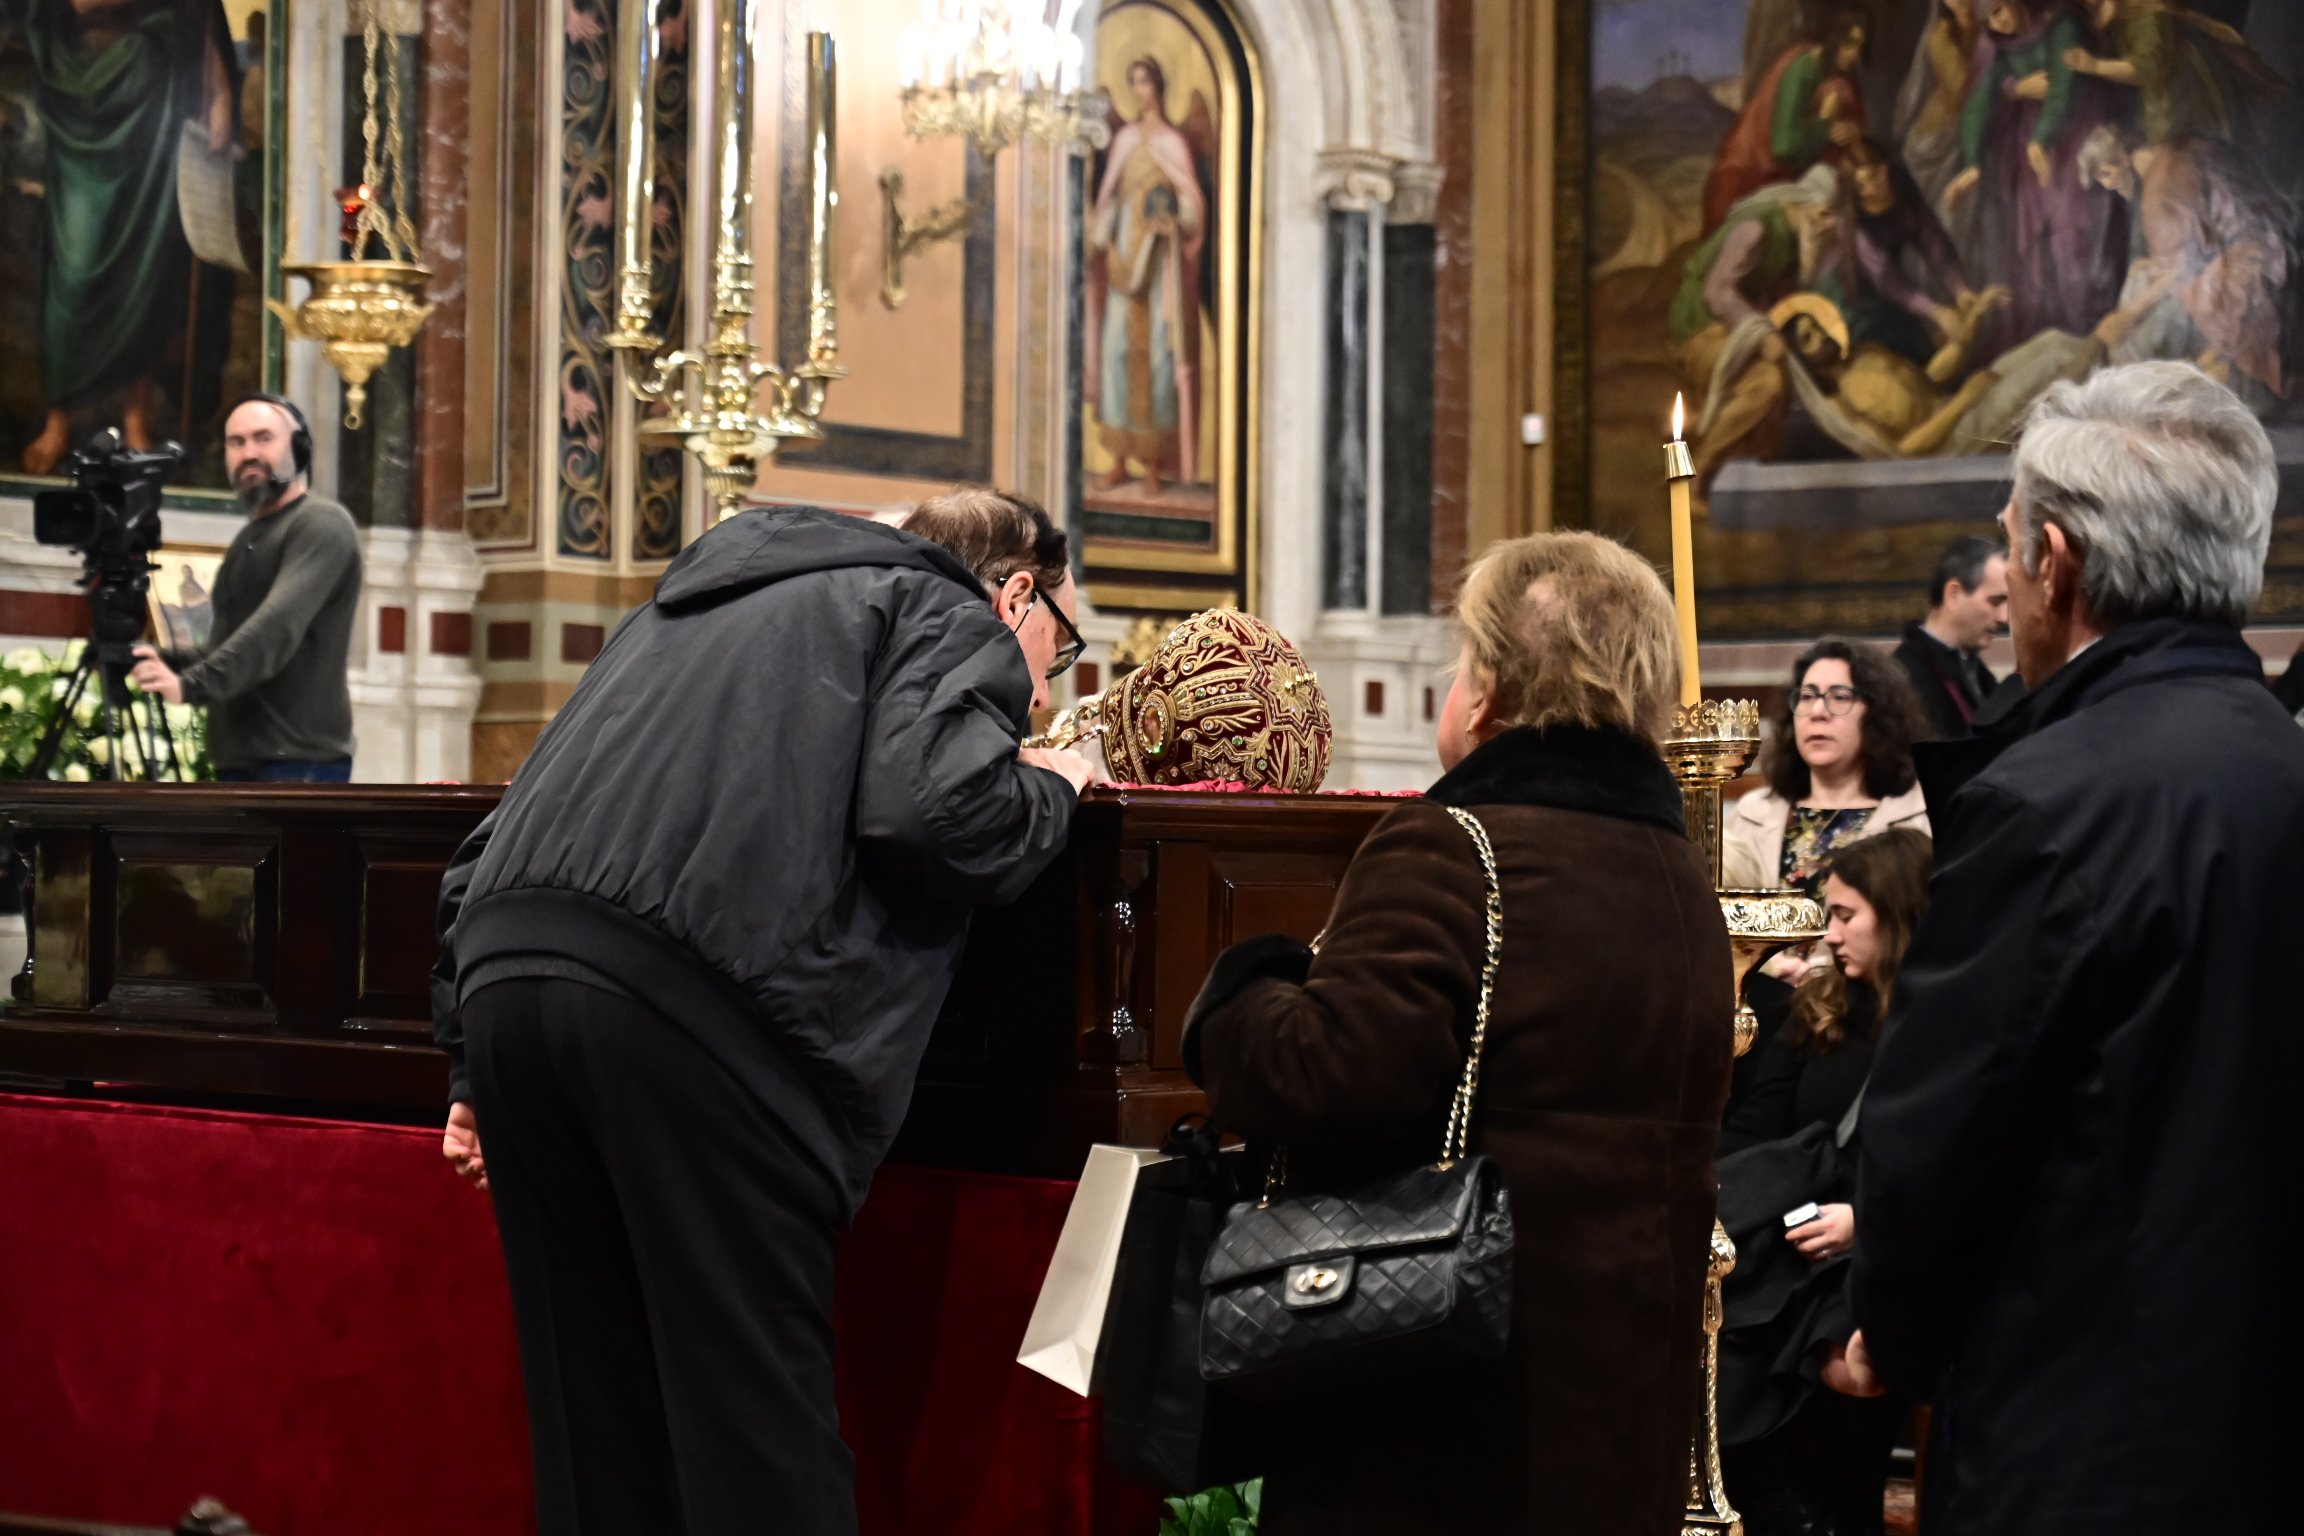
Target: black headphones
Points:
x,y
299,444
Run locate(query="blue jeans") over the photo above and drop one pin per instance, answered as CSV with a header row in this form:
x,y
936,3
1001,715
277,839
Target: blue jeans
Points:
x,y
337,772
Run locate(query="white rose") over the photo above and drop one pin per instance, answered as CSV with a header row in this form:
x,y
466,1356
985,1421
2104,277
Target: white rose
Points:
x,y
11,698
100,749
59,687
76,772
27,658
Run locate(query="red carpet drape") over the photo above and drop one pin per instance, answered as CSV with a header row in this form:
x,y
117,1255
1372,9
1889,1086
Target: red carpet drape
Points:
x,y
307,1319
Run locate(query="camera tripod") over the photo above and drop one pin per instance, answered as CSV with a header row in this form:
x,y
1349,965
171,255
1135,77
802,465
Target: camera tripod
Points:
x,y
116,614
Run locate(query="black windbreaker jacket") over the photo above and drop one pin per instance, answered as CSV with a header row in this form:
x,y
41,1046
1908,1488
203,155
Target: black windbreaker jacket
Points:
x,y
767,811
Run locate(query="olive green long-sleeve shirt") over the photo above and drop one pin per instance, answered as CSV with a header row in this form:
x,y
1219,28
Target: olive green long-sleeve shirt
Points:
x,y
272,676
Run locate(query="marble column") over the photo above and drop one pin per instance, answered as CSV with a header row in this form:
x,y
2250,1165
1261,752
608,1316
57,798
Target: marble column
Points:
x,y
1451,295
1344,495
1355,185
1377,669
444,117
414,690
1404,539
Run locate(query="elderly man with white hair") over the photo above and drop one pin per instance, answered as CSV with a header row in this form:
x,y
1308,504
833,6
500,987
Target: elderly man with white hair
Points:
x,y
2079,1149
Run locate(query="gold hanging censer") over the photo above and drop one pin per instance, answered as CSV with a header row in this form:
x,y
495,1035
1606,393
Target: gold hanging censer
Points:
x,y
360,309
710,397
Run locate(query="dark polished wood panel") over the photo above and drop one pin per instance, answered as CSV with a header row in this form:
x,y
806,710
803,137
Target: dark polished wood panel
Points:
x,y
276,940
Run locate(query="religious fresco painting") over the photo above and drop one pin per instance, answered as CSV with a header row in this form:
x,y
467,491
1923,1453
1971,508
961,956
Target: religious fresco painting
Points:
x,y
1169,252
136,241
1864,238
182,596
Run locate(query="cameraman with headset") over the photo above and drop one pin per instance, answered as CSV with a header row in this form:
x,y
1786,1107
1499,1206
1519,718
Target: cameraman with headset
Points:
x,y
272,675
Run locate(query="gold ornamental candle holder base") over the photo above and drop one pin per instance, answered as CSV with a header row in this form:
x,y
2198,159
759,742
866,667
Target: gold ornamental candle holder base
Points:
x,y
1708,1512
1760,921
358,311
1710,745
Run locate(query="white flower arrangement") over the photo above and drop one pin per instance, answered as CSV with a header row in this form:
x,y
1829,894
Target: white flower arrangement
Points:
x,y
33,683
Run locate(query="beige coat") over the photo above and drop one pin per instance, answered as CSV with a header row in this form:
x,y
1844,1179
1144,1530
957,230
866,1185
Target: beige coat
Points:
x,y
1752,834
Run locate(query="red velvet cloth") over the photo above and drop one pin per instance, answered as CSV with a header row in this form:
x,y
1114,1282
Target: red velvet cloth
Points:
x,y
308,1319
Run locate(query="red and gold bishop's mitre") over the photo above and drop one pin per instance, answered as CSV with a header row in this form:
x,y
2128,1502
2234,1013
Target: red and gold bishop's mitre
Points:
x,y
1226,698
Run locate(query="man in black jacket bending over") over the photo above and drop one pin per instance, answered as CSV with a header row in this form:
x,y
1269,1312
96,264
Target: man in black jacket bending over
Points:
x,y
689,965
2073,1217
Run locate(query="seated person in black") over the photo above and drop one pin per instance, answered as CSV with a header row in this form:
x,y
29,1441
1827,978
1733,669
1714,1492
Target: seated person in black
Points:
x,y
1798,1457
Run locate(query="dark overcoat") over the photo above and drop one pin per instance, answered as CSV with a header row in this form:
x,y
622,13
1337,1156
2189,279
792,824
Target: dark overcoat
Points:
x,y
1950,695
2080,1156
1600,1096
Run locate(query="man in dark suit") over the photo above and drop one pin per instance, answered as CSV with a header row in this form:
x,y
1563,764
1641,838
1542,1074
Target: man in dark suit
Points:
x,y
2078,1134
1943,654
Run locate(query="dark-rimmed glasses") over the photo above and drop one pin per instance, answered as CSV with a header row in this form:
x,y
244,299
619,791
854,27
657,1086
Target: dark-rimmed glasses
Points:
x,y
1074,641
1837,700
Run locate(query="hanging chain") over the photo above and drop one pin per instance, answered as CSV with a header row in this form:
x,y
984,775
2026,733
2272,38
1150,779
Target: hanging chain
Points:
x,y
1460,1113
385,174
371,217
1459,1134
396,152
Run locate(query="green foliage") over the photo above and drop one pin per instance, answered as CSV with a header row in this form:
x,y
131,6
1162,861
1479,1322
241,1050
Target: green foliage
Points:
x,y
32,686
1217,1512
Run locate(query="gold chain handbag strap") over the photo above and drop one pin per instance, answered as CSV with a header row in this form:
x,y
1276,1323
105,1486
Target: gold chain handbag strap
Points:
x,y
1460,1113
1459,1132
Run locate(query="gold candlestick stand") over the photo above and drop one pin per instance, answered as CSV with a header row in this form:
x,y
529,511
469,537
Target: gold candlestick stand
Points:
x,y
710,396
1710,745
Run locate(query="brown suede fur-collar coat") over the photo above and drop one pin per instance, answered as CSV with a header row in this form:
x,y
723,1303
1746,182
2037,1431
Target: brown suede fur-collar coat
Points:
x,y
1600,1098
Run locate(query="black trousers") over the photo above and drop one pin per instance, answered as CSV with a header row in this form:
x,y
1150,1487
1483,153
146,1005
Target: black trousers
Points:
x,y
670,1251
1824,1473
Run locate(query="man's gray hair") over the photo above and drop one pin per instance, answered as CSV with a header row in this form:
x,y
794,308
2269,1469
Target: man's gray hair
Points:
x,y
2164,484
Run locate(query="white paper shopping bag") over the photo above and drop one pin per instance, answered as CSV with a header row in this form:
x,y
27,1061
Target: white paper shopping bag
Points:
x,y
1060,1340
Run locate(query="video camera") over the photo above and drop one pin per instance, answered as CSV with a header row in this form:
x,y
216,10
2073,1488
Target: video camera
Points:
x,y
111,517
112,513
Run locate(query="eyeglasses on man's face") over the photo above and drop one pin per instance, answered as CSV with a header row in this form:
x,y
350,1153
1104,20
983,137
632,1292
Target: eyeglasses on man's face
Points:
x,y
1837,700
1074,642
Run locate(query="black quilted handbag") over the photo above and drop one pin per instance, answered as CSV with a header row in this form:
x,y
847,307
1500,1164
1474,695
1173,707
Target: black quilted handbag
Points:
x,y
1305,1294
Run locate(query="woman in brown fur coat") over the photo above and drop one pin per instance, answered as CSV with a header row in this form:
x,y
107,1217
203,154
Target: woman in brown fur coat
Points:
x,y
1601,1087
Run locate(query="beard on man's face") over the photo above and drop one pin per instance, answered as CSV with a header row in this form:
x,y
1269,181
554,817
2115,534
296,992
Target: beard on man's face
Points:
x,y
258,484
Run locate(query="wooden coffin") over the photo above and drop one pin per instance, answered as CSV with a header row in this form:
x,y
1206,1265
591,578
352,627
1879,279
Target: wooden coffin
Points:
x,y
275,942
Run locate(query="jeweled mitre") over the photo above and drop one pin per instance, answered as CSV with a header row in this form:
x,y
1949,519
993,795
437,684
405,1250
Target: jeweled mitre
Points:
x,y
1227,698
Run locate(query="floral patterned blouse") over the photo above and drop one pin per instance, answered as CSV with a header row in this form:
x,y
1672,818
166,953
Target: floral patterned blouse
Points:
x,y
1811,835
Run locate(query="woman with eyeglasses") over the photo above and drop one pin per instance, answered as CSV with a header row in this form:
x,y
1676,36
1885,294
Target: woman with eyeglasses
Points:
x,y
1838,765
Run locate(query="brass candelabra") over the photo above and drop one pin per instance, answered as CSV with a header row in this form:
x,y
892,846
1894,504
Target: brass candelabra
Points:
x,y
723,404
1710,745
